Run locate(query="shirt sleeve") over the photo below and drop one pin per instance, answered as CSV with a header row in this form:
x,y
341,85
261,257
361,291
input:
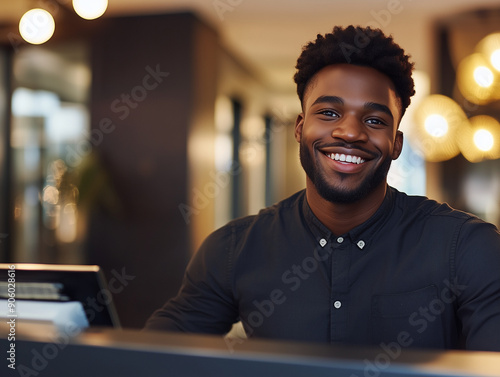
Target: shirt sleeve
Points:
x,y
204,303
478,285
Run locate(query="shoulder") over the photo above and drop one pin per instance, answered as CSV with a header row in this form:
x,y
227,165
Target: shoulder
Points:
x,y
424,207
236,229
467,228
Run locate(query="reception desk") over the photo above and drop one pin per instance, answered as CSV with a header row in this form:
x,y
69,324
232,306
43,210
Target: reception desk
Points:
x,y
124,353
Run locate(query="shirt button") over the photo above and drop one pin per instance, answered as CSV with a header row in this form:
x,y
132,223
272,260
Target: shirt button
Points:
x,y
337,304
322,242
361,244
340,239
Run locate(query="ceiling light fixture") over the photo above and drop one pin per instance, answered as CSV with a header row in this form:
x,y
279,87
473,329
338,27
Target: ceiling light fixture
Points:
x,y
483,139
437,121
90,9
483,76
495,59
476,79
480,138
436,125
489,46
37,26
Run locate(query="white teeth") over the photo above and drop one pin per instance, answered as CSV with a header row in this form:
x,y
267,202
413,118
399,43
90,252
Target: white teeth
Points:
x,y
345,158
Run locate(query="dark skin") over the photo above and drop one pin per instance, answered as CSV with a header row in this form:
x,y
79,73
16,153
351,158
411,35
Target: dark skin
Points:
x,y
350,113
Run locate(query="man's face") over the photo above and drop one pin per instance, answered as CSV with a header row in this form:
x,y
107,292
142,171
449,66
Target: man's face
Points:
x,y
348,131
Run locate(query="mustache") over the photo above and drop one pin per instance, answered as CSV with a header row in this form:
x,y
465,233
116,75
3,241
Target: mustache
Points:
x,y
345,145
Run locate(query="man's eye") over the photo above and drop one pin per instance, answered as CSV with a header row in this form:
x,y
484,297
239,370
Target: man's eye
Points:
x,y
328,113
375,121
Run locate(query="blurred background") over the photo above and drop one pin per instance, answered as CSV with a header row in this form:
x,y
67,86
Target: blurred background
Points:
x,y
128,135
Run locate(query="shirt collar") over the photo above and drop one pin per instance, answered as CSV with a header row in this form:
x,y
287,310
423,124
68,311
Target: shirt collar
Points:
x,y
363,233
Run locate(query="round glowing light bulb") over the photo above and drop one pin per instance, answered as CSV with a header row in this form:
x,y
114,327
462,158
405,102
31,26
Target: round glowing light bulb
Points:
x,y
484,140
483,76
436,125
37,26
495,59
90,9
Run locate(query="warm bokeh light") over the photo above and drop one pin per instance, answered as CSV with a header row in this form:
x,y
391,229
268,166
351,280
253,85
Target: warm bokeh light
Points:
x,y
90,9
495,59
437,121
483,76
476,81
436,125
480,139
50,195
223,115
67,229
483,139
489,46
37,26
223,152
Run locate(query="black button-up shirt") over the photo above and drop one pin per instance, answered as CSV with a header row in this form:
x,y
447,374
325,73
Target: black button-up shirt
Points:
x,y
416,274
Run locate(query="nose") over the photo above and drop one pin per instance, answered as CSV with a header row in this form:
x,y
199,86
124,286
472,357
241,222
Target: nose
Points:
x,y
350,129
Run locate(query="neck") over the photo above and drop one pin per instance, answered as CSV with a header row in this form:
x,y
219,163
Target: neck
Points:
x,y
340,218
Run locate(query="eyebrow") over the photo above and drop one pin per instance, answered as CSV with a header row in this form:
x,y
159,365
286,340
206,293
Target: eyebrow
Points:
x,y
379,107
368,105
328,99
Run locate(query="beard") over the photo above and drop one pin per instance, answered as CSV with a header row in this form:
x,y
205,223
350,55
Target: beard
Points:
x,y
338,194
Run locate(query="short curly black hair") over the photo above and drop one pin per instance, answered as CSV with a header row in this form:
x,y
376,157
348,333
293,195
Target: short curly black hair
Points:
x,y
358,46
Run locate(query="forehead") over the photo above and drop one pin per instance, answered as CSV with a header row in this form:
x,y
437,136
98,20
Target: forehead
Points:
x,y
354,83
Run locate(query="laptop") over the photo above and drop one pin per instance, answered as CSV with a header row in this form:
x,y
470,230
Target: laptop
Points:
x,y
57,293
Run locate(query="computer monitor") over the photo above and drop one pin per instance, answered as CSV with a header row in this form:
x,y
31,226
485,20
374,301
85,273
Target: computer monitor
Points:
x,y
57,292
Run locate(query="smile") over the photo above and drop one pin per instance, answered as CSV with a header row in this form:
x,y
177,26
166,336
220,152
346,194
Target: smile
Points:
x,y
345,158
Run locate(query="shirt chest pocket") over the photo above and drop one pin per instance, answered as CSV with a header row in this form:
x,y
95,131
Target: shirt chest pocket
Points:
x,y
405,318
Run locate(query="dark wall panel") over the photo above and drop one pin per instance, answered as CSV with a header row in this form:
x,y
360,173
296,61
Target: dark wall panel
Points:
x,y
142,105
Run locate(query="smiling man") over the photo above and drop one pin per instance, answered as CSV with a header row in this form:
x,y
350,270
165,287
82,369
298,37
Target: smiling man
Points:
x,y
349,259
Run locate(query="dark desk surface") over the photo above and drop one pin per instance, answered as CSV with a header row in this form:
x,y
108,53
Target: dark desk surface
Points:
x,y
125,353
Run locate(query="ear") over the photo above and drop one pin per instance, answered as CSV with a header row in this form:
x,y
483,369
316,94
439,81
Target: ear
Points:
x,y
299,124
398,145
